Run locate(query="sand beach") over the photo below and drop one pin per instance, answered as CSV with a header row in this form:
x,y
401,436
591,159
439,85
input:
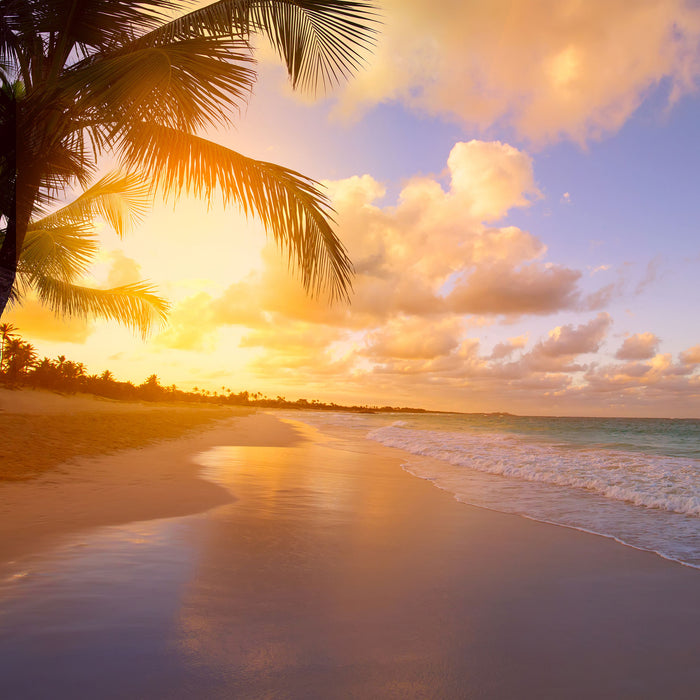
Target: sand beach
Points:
x,y
74,462
315,567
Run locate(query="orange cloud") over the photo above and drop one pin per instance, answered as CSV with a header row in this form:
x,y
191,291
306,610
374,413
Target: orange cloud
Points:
x,y
564,343
658,376
191,325
292,338
530,289
430,255
550,68
691,356
503,350
414,338
432,266
568,341
193,322
404,254
422,264
490,178
640,346
37,321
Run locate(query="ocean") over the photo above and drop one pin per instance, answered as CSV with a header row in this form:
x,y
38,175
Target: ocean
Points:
x,y
634,480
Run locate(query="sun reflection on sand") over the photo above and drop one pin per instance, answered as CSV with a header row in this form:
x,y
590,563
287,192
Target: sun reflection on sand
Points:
x,y
296,566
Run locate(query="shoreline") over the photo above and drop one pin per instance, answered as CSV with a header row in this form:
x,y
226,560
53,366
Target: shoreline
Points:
x,y
158,478
403,457
327,570
562,479
553,523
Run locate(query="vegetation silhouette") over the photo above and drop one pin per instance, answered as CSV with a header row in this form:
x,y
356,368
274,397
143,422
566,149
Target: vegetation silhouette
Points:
x,y
85,78
21,367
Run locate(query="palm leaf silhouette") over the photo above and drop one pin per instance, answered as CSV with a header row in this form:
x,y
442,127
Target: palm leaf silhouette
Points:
x,y
129,77
60,247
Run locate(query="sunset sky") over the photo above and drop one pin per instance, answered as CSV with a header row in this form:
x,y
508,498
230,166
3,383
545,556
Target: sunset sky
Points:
x,y
517,185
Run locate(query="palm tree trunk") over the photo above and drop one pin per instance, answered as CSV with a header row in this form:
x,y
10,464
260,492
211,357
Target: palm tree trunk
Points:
x,y
17,224
8,256
7,281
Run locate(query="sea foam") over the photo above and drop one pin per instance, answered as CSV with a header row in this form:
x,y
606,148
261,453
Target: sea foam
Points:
x,y
634,480
651,481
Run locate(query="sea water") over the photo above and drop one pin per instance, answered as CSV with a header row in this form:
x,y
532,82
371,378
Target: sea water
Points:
x,y
634,480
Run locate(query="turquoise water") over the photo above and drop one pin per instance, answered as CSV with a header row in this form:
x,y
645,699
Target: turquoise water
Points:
x,y
658,436
635,480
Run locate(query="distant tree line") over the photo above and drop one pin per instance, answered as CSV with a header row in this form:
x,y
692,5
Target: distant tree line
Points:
x,y
20,366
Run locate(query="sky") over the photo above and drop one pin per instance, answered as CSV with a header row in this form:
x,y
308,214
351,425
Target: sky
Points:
x,y
516,184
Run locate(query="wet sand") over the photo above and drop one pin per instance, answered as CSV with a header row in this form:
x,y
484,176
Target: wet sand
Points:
x,y
332,573
354,579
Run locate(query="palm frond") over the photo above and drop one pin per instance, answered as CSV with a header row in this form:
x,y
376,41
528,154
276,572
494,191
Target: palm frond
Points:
x,y
63,251
134,305
120,199
320,41
60,247
84,23
99,75
290,205
8,44
188,84
63,159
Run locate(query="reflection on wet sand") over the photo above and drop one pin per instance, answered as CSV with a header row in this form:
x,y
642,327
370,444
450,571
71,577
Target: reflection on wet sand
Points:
x,y
310,576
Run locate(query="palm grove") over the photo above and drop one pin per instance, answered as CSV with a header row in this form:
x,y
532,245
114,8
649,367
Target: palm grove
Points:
x,y
20,366
137,82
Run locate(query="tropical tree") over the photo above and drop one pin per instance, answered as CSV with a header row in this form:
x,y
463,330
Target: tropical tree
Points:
x,y
88,77
71,375
60,362
7,332
46,374
151,389
60,247
20,358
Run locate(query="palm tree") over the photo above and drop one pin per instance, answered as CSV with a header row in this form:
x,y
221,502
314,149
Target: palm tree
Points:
x,y
90,77
45,373
7,332
60,247
21,356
